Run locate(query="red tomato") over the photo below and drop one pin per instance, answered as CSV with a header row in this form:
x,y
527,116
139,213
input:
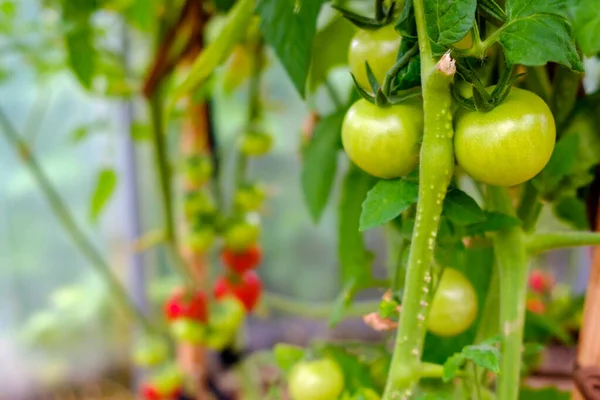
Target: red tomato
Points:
x,y
536,306
242,261
247,289
149,392
540,281
194,307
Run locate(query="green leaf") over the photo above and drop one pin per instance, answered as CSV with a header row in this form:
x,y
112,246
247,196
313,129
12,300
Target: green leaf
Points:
x,y
331,44
356,372
80,52
233,30
572,211
543,394
586,25
541,328
320,163
287,355
562,163
485,356
452,366
537,32
406,25
105,186
289,28
461,209
494,222
342,302
224,5
449,21
386,201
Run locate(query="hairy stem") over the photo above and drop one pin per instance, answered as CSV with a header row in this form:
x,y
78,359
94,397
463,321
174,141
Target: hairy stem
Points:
x,y
541,242
511,259
436,168
79,238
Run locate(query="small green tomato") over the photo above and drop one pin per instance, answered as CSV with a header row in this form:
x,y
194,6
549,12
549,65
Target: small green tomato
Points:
x,y
256,144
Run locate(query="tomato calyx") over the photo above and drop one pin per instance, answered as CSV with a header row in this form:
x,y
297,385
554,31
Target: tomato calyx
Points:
x,y
382,16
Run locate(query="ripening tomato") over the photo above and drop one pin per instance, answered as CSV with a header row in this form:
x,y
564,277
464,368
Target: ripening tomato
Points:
x,y
246,289
194,306
188,330
242,235
316,380
377,47
384,141
150,351
508,145
540,281
242,260
454,305
536,305
226,318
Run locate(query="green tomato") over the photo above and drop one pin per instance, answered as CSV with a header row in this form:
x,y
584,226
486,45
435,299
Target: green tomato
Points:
x,y
187,330
241,235
227,315
377,47
218,341
249,198
196,203
383,141
508,145
256,144
454,305
198,169
150,351
316,380
200,240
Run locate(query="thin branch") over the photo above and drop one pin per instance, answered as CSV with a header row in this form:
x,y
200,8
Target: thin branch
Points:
x,y
541,242
68,222
315,310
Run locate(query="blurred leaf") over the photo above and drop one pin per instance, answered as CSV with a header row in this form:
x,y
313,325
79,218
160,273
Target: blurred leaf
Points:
x,y
224,5
320,163
287,355
387,200
331,45
105,186
140,131
289,28
562,163
7,8
572,211
484,355
536,33
354,258
461,209
541,328
449,21
233,30
494,222
79,38
342,302
356,371
543,394
586,25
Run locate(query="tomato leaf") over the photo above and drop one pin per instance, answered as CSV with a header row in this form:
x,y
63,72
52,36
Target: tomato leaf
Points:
x,y
105,186
562,163
484,355
406,25
461,209
537,32
331,44
79,39
586,25
289,27
386,201
541,328
287,355
548,393
320,163
452,365
494,222
224,5
572,211
219,49
449,21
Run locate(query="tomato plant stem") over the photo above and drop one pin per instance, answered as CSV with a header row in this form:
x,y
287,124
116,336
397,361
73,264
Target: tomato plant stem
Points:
x,y
70,225
511,259
546,241
437,163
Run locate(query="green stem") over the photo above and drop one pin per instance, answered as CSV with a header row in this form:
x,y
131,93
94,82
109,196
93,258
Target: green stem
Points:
x,y
436,168
79,238
530,206
315,310
541,242
386,86
511,258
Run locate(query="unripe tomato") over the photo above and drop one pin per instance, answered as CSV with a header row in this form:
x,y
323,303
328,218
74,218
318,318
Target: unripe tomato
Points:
x,y
200,239
242,261
194,306
247,289
150,351
249,198
383,141
225,320
188,330
241,235
454,305
316,380
377,47
256,144
197,203
508,145
198,170
168,382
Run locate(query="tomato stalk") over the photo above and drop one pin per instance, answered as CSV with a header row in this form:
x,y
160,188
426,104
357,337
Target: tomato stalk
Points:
x,y
436,168
512,262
